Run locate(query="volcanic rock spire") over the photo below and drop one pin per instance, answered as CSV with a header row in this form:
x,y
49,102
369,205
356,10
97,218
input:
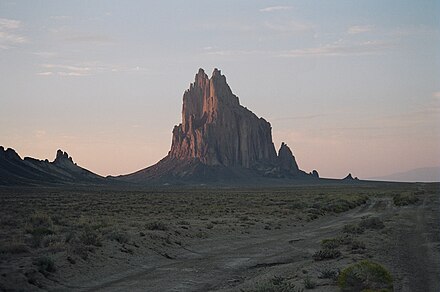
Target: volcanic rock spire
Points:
x,y
219,141
217,130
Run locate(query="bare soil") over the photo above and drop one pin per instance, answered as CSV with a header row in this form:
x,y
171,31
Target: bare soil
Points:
x,y
214,239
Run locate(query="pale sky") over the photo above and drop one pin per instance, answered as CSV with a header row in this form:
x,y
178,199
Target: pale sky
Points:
x,y
350,86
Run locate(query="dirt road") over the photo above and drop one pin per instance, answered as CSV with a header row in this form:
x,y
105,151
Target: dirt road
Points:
x,y
230,262
414,248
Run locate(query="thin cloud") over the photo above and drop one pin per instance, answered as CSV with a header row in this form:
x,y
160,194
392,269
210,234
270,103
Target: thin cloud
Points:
x,y
61,17
436,95
47,73
40,133
75,74
94,39
86,69
288,27
9,23
9,37
68,67
236,52
45,54
357,29
65,70
304,117
275,8
340,48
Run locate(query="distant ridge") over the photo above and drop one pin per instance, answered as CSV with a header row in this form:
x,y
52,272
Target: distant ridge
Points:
x,y
30,171
220,140
424,174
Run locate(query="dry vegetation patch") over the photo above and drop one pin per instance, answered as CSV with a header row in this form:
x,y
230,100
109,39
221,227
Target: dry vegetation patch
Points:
x,y
48,232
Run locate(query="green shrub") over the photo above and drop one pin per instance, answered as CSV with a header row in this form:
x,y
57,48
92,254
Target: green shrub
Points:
x,y
309,283
45,265
276,284
326,254
39,225
330,243
371,223
157,225
344,204
80,249
54,242
119,236
353,229
405,199
365,276
90,236
357,245
13,248
328,273
39,219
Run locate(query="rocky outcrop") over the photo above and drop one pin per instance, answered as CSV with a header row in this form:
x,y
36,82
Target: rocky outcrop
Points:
x,y
217,130
9,154
350,177
219,139
286,160
63,159
315,173
30,171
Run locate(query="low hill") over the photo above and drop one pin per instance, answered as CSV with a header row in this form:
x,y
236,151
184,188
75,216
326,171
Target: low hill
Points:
x,y
30,171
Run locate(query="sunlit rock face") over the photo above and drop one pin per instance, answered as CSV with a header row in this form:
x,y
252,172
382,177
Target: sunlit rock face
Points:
x,y
220,141
217,130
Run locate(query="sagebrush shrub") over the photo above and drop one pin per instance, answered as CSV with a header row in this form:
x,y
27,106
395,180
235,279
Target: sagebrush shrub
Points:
x,y
365,275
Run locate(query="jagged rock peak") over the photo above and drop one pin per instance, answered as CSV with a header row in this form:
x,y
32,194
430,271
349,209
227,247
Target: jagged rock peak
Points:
x,y
62,157
9,154
286,159
350,177
216,73
217,130
315,173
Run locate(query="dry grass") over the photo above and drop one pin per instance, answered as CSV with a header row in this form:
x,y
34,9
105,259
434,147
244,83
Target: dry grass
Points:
x,y
73,226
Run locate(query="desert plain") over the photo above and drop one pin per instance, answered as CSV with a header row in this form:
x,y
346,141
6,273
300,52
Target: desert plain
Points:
x,y
289,238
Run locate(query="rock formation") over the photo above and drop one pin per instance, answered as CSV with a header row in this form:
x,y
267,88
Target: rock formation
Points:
x,y
314,173
220,139
217,130
63,159
350,177
286,160
31,171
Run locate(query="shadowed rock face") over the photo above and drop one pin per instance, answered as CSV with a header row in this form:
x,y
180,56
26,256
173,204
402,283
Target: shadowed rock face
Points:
x,y
286,160
217,130
62,158
30,171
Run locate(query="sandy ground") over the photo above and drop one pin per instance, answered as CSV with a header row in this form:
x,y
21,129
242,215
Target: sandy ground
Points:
x,y
230,263
240,258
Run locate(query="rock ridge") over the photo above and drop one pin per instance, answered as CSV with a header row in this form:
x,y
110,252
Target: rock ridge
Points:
x,y
30,171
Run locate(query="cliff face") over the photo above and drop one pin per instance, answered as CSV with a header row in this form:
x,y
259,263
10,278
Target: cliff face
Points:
x,y
217,130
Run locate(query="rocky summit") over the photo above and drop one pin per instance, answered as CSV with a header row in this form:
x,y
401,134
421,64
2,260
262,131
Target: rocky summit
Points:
x,y
219,139
217,130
